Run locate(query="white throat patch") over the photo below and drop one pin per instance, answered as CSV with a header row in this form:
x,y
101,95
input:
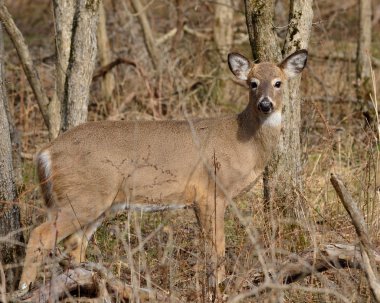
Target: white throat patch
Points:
x,y
273,120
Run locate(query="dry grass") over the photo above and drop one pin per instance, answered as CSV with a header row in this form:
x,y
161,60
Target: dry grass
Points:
x,y
163,250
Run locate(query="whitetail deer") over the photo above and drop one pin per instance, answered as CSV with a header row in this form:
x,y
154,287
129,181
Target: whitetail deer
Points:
x,y
102,167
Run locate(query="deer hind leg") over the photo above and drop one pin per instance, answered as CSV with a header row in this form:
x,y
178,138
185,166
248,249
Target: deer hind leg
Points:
x,y
42,240
76,244
210,214
63,224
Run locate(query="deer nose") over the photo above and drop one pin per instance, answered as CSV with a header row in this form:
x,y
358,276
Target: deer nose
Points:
x,y
265,105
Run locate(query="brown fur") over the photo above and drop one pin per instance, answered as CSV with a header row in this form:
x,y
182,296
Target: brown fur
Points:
x,y
96,167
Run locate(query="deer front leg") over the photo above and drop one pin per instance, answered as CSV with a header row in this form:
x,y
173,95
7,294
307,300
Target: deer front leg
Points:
x,y
210,214
76,244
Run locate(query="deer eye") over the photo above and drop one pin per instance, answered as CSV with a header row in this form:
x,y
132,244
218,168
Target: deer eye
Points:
x,y
254,84
277,84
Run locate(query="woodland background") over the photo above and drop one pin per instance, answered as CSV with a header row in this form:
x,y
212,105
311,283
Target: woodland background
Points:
x,y
176,69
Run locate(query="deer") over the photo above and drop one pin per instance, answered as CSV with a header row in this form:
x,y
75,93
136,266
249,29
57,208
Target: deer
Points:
x,y
99,168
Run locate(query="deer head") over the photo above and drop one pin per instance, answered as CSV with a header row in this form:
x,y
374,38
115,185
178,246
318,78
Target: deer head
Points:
x,y
266,79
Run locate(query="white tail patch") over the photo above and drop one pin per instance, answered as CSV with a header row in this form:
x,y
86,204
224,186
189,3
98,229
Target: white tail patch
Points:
x,y
273,120
44,175
44,161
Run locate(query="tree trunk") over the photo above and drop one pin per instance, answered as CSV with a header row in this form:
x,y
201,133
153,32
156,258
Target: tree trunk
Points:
x,y
282,177
9,212
81,63
288,170
223,29
223,37
108,82
263,40
363,68
16,146
63,21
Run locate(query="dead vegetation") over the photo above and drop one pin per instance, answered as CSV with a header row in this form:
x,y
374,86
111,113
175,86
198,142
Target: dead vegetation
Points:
x,y
269,257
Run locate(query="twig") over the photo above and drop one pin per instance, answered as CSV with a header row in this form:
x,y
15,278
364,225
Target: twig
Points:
x,y
167,36
148,35
180,22
196,33
325,122
343,57
105,69
143,9
26,61
101,72
369,265
174,31
270,286
95,278
309,262
3,284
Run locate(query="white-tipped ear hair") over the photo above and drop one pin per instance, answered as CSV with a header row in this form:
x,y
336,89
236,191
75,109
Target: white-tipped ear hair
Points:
x,y
239,65
294,63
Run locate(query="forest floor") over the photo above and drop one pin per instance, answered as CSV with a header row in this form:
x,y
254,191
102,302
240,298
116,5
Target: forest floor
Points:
x,y
335,135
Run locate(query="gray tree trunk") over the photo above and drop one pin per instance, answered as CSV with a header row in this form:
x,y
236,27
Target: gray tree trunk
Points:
x,y
63,21
16,146
9,212
263,39
81,62
282,178
363,68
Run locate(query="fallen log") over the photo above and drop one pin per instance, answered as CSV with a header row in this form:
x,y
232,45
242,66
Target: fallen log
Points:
x,y
86,280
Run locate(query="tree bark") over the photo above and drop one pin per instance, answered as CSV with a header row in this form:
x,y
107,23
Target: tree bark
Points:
x,y
108,83
282,177
16,146
288,168
9,212
223,37
263,40
63,22
363,68
223,29
81,63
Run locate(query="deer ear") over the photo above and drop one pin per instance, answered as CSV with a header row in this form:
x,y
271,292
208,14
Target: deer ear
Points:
x,y
294,63
239,65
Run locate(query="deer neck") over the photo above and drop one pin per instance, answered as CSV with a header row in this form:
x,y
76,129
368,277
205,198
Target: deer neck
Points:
x,y
260,133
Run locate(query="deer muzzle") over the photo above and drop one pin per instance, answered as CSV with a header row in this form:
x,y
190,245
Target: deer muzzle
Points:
x,y
265,105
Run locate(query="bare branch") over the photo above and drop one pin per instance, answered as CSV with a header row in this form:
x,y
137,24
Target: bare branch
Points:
x,y
26,62
148,35
368,258
309,262
180,22
101,72
94,279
